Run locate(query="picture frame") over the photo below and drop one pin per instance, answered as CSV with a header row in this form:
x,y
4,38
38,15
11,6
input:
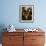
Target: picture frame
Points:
x,y
26,13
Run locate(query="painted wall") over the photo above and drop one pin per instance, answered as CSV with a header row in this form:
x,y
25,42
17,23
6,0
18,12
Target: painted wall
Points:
x,y
10,13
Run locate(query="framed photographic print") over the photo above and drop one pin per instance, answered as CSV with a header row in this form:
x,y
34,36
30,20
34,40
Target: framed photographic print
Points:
x,y
26,13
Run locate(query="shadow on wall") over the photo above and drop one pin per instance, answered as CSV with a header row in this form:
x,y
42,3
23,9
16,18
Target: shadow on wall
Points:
x,y
2,26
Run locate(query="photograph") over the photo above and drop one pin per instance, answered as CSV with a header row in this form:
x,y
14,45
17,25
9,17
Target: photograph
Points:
x,y
26,13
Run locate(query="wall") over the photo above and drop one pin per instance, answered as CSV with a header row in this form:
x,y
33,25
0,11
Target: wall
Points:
x,y
10,13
